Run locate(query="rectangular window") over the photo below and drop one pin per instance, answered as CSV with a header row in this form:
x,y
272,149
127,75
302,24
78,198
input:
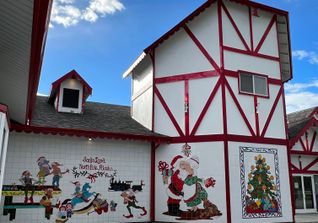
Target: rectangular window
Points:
x,y
253,84
70,98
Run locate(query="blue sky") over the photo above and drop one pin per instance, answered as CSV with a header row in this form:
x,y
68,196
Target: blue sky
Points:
x,y
101,38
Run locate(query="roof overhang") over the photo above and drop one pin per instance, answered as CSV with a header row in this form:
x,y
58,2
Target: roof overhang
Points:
x,y
23,30
311,122
88,134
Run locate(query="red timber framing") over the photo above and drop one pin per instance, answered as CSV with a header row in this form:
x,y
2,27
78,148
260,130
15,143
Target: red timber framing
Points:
x,y
222,85
41,15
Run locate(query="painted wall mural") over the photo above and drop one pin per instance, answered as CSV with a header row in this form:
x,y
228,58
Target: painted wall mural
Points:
x,y
184,185
260,183
98,189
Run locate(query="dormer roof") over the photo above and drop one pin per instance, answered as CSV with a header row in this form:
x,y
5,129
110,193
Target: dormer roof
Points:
x,y
70,75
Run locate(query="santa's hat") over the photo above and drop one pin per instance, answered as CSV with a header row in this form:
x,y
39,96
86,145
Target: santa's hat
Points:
x,y
175,161
194,162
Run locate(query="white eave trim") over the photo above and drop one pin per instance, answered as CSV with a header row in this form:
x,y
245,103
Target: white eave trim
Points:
x,y
132,67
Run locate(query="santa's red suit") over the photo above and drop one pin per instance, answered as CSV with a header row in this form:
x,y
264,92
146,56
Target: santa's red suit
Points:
x,y
174,190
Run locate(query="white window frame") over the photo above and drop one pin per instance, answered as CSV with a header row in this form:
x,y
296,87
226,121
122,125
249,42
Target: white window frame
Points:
x,y
253,79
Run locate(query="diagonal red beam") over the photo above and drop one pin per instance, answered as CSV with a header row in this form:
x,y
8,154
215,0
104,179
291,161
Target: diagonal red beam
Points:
x,y
311,164
201,48
268,29
235,27
206,107
302,144
166,107
271,113
239,108
312,142
293,166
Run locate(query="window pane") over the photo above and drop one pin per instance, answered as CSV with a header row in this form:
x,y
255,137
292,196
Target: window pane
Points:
x,y
70,98
308,193
260,85
246,83
299,199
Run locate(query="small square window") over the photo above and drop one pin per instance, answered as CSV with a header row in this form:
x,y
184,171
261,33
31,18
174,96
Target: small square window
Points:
x,y
253,84
70,98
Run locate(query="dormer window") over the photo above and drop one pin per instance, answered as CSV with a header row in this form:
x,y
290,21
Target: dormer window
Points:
x,y
69,93
70,98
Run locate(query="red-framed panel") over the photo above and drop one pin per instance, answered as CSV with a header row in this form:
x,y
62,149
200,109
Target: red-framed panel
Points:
x,y
201,48
235,27
168,111
268,29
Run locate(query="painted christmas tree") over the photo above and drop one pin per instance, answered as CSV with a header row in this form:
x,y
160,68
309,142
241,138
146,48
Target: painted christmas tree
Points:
x,y
261,188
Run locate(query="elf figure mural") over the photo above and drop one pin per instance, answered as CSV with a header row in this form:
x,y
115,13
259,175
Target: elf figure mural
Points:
x,y
184,186
261,188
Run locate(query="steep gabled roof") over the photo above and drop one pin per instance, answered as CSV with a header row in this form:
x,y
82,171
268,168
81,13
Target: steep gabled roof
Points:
x,y
70,75
98,120
300,121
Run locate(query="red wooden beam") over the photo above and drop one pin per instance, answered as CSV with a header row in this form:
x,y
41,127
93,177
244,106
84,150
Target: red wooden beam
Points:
x,y
293,166
189,76
298,152
41,15
235,27
311,122
250,53
302,144
313,141
201,48
271,113
268,29
187,109
256,115
166,107
239,108
206,107
311,164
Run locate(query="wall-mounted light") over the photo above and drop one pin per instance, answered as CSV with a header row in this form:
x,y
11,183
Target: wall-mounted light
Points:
x,y
90,139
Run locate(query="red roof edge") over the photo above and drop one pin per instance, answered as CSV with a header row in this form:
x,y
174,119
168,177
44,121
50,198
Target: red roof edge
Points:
x,y
311,122
4,109
314,112
200,10
70,75
88,134
41,18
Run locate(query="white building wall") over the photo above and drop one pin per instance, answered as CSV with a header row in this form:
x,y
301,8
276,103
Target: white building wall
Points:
x,y
239,182
179,55
211,161
131,160
4,136
142,92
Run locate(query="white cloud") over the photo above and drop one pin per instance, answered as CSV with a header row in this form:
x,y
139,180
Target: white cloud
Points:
x,y
41,94
310,56
66,13
300,96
